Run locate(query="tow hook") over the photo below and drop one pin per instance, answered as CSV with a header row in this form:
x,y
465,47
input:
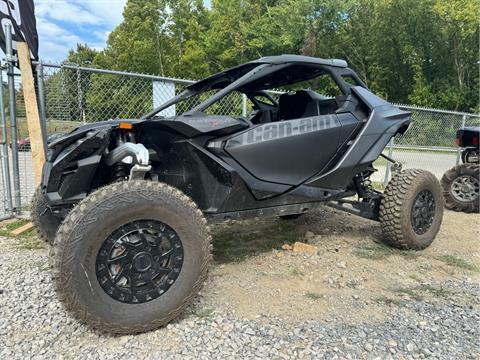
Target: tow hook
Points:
x,y
138,171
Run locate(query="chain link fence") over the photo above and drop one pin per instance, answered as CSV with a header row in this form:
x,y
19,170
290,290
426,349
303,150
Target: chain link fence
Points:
x,y
71,95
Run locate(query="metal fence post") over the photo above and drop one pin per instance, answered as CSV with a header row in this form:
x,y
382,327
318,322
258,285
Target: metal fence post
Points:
x,y
41,106
387,170
13,118
244,105
459,150
80,95
7,190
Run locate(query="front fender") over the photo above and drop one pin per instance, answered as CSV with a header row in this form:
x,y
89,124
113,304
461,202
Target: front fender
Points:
x,y
68,174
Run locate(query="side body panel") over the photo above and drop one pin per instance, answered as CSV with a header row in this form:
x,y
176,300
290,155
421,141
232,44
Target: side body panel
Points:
x,y
286,152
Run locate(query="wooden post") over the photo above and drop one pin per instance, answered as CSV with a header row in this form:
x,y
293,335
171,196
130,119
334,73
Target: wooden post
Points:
x,y
31,108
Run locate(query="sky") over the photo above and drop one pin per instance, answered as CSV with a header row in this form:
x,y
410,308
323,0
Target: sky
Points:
x,y
61,24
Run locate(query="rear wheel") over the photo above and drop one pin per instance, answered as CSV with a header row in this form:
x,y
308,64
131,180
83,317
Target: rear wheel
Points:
x,y
131,256
461,188
46,223
411,209
470,156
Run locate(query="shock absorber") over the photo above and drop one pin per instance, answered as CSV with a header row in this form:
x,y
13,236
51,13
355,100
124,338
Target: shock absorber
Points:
x,y
120,171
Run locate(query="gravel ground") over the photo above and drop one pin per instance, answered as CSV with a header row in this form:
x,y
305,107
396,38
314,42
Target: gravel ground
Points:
x,y
435,314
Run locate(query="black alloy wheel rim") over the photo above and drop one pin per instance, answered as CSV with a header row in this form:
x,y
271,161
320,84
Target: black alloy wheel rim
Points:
x,y
465,188
423,212
139,261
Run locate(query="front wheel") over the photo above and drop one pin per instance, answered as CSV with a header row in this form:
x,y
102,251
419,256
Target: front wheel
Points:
x,y
131,256
411,209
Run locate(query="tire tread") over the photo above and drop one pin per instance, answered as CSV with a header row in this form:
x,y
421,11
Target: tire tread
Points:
x,y
62,257
390,215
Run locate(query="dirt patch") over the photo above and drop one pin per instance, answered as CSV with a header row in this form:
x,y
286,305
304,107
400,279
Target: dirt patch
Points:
x,y
352,277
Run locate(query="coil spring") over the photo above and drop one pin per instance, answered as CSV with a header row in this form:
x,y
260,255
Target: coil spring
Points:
x,y
120,172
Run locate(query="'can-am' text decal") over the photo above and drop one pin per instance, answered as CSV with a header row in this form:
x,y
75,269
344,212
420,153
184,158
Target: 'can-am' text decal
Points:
x,y
282,129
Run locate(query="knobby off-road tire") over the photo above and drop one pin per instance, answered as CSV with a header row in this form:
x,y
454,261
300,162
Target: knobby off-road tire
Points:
x,y
411,210
85,285
45,222
461,188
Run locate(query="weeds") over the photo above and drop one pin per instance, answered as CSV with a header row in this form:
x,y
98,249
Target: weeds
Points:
x,y
42,267
27,240
409,292
312,295
437,291
30,242
381,252
9,226
293,271
203,313
458,262
391,301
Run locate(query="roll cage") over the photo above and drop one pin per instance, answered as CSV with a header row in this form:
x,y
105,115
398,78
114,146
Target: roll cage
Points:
x,y
255,78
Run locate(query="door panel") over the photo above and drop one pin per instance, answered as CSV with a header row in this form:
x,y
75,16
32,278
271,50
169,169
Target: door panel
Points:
x,y
287,152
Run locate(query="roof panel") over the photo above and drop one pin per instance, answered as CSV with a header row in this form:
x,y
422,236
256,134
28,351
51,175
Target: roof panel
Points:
x,y
223,78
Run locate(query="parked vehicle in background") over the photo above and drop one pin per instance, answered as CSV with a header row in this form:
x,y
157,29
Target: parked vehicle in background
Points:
x,y
25,145
461,183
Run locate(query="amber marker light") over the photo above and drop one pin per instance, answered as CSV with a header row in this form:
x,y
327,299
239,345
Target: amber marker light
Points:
x,y
125,126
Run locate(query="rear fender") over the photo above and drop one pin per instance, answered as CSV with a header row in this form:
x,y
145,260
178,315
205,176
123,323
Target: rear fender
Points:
x,y
385,121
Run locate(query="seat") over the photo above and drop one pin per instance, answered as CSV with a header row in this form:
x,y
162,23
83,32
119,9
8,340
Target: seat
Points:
x,y
292,105
303,103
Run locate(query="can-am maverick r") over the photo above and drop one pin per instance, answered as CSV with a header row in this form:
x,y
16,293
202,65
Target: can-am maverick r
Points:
x,y
131,197
461,184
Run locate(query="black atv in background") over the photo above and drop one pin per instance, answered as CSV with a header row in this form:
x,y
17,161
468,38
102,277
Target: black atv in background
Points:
x,y
125,203
461,183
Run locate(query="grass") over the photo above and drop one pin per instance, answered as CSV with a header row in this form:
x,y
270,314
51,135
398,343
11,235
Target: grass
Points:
x,y
31,242
41,266
377,185
416,293
437,291
237,242
390,301
409,292
382,252
294,271
28,240
458,262
203,313
9,226
313,295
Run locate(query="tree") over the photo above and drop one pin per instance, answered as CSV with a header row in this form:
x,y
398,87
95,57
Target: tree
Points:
x,y
408,51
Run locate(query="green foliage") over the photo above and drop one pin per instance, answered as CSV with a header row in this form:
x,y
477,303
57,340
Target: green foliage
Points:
x,y
408,51
458,262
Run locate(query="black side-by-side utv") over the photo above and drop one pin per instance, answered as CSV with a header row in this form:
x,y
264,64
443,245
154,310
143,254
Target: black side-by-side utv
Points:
x,y
124,203
462,182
